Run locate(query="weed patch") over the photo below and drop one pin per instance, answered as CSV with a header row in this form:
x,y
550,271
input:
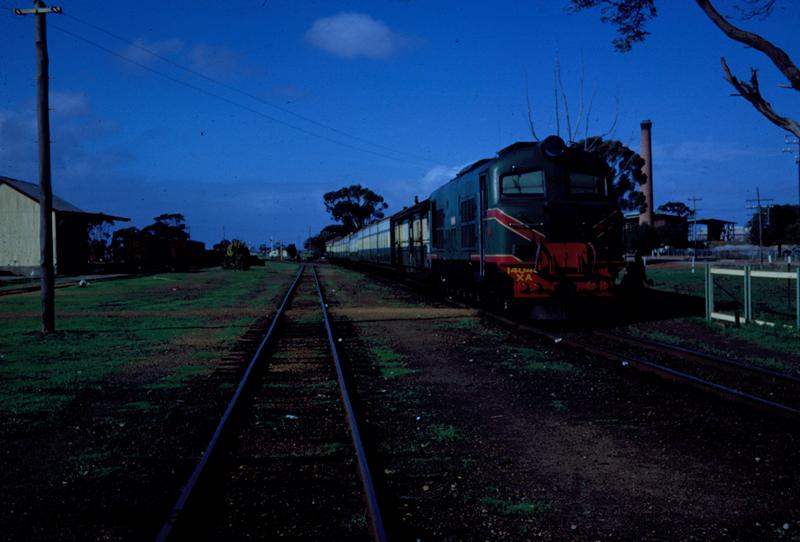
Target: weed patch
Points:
x,y
141,406
535,360
522,508
444,433
462,323
179,376
390,363
330,448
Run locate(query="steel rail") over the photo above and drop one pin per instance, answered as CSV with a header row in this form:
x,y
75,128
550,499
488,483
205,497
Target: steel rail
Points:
x,y
703,357
667,373
696,382
186,493
663,371
376,520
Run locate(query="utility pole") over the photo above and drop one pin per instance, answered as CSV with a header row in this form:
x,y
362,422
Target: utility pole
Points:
x,y
694,201
757,204
791,140
47,273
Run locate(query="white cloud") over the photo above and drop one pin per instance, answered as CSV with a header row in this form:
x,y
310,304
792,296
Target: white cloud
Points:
x,y
18,142
218,62
215,61
706,151
401,193
437,176
144,52
350,35
72,158
69,104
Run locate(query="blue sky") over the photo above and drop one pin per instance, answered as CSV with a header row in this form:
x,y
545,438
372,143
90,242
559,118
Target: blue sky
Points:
x,y
263,106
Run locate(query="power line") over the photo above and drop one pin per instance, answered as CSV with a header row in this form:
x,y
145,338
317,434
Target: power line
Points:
x,y
229,101
238,90
224,99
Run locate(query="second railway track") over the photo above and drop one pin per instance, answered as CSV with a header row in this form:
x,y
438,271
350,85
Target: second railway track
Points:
x,y
286,459
762,389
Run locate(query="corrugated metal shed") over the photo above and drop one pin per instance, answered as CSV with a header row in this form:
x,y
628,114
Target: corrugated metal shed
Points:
x,y
59,205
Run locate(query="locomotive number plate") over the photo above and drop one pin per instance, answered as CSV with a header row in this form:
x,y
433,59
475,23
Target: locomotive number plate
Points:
x,y
520,274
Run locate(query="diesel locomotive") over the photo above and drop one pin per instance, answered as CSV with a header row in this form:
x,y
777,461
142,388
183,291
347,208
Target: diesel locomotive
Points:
x,y
537,222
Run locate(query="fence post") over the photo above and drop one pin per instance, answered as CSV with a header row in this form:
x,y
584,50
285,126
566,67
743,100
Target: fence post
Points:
x,y
748,295
709,292
797,301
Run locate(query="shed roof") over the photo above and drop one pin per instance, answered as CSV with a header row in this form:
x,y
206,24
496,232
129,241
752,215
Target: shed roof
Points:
x,y
712,221
59,205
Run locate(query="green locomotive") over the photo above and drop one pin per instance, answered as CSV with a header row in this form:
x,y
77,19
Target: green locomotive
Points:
x,y
538,221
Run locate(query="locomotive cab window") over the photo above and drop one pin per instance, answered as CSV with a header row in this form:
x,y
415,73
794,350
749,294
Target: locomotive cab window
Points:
x,y
583,184
530,183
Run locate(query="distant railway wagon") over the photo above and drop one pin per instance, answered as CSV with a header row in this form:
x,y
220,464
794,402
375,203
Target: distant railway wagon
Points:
x,y
538,221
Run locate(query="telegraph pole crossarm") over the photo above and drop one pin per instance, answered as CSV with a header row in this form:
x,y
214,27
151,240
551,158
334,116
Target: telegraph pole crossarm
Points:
x,y
47,271
44,10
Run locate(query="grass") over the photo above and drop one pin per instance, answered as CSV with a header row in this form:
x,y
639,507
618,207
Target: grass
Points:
x,y
330,448
111,325
444,433
769,296
325,385
780,340
390,363
91,464
509,509
537,360
461,323
141,406
770,303
179,376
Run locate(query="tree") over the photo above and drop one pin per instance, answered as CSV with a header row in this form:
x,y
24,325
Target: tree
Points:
x,y
237,256
781,225
354,206
99,235
167,226
626,168
173,220
630,17
676,208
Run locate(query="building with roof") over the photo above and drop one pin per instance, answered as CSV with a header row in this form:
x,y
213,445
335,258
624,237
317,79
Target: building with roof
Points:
x,y
19,230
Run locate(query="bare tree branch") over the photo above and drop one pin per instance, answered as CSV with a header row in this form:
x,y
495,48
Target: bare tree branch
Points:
x,y
588,116
555,97
530,115
760,9
580,102
777,55
751,92
616,117
566,102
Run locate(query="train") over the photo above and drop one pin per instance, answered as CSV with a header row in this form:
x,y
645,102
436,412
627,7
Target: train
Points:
x,y
536,225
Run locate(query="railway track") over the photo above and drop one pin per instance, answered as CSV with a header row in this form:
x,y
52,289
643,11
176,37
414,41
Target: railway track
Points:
x,y
763,389
286,459
756,387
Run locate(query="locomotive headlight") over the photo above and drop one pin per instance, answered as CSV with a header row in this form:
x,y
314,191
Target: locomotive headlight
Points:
x,y
553,146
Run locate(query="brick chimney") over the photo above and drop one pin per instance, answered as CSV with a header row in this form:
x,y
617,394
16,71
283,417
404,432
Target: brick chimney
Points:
x,y
647,154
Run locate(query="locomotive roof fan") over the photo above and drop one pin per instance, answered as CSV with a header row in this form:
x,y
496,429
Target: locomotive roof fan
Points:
x,y
553,146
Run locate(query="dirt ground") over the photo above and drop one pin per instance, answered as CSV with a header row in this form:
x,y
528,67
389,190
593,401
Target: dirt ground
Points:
x,y
487,434
478,432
